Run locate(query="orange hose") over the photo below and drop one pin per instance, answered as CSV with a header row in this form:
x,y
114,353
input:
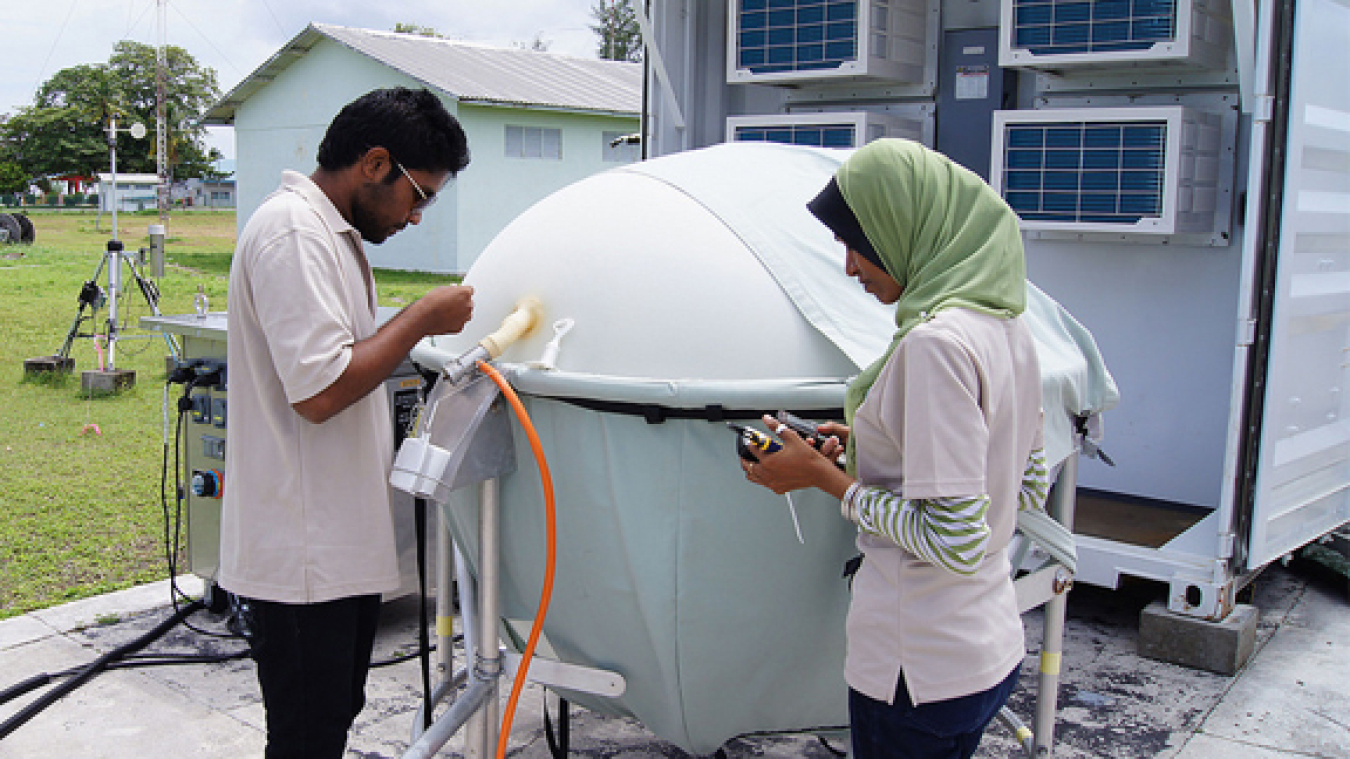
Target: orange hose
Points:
x,y
546,594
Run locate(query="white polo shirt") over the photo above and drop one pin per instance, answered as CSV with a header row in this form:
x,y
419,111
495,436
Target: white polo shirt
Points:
x,y
306,511
955,412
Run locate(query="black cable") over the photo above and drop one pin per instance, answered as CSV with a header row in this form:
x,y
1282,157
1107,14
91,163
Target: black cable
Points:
x,y
173,522
408,656
92,669
32,683
161,659
560,746
134,661
423,641
829,748
170,547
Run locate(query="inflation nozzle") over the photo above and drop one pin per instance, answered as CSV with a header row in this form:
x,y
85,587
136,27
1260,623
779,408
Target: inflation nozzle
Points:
x,y
516,325
549,359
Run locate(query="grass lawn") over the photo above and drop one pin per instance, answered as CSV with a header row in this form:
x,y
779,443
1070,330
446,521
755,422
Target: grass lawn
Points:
x,y
80,510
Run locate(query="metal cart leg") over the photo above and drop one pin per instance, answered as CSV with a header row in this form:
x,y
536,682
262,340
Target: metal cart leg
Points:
x,y
475,708
445,600
481,735
1061,507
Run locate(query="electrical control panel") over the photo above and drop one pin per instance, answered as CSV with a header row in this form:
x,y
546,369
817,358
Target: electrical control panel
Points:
x,y
203,435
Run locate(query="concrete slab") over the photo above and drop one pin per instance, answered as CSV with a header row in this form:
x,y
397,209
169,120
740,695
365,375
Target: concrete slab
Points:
x,y
113,606
123,713
1293,697
1288,702
1203,746
1111,700
25,629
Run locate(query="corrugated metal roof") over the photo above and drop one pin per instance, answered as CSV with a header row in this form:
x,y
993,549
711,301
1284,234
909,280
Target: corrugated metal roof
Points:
x,y
469,72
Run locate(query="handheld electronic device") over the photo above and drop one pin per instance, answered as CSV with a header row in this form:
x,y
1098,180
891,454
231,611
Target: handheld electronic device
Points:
x,y
749,437
808,430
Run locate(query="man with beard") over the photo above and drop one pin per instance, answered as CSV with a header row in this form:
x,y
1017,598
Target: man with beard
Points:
x,y
307,537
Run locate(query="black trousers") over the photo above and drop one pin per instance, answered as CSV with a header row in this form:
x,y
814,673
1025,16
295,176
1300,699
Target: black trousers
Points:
x,y
312,663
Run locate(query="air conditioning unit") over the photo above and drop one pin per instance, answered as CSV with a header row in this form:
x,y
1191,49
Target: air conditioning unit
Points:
x,y
1066,34
1138,170
789,41
840,129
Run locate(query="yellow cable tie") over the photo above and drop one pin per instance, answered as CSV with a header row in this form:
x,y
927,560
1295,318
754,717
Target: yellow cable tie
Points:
x,y
1050,661
445,627
1022,734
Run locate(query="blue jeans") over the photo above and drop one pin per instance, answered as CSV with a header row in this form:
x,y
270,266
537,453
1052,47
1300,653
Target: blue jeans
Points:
x,y
939,730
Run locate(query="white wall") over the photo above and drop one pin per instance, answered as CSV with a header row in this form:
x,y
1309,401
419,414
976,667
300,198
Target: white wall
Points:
x,y
496,189
1165,319
280,127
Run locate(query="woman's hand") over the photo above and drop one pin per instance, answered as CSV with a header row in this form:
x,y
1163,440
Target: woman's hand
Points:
x,y
835,430
799,465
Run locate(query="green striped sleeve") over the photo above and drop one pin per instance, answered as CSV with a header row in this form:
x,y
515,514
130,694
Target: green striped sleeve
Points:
x,y
948,532
1035,483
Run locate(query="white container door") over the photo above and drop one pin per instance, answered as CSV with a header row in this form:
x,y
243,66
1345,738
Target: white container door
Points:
x,y
1302,486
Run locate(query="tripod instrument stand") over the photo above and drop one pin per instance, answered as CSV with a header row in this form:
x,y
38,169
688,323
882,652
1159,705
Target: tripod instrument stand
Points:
x,y
92,298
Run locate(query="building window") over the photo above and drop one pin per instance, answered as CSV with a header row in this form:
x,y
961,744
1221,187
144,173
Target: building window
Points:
x,y
533,142
615,148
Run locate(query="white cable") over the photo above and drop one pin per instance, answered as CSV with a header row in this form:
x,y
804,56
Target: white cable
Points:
x,y
167,426
792,508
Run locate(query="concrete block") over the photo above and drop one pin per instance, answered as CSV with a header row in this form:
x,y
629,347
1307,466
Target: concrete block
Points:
x,y
107,380
1223,646
43,364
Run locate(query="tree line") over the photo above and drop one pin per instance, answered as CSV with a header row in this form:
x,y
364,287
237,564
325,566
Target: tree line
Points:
x,y
63,132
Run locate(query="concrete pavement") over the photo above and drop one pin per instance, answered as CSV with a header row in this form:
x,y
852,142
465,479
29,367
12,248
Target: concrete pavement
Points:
x,y
1291,700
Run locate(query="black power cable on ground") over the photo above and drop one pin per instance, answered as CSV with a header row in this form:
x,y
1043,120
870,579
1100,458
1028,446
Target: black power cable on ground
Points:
x,y
89,671
130,662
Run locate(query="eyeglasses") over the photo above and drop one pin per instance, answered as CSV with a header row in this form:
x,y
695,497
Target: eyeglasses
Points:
x,y
426,200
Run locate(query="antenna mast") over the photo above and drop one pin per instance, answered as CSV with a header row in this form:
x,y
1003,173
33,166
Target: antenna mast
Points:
x,y
161,129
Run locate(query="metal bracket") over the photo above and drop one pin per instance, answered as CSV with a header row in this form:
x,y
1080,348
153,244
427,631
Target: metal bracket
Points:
x,y
555,674
1209,600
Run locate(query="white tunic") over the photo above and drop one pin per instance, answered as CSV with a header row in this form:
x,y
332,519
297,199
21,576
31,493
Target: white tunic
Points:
x,y
306,511
954,413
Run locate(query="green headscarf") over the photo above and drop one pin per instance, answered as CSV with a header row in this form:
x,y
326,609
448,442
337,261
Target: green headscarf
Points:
x,y
943,234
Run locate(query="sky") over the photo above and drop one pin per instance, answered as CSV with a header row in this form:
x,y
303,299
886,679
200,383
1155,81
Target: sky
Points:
x,y
235,37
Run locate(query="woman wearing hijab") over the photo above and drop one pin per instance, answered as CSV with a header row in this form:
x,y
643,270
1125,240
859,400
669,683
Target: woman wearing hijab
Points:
x,y
944,443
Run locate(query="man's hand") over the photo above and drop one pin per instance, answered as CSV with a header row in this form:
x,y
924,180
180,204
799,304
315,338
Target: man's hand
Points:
x,y
445,310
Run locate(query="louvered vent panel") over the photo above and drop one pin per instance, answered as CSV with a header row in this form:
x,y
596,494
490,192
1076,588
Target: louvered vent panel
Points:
x,y
1059,27
796,40
1063,34
846,129
1150,169
778,36
818,135
1108,172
